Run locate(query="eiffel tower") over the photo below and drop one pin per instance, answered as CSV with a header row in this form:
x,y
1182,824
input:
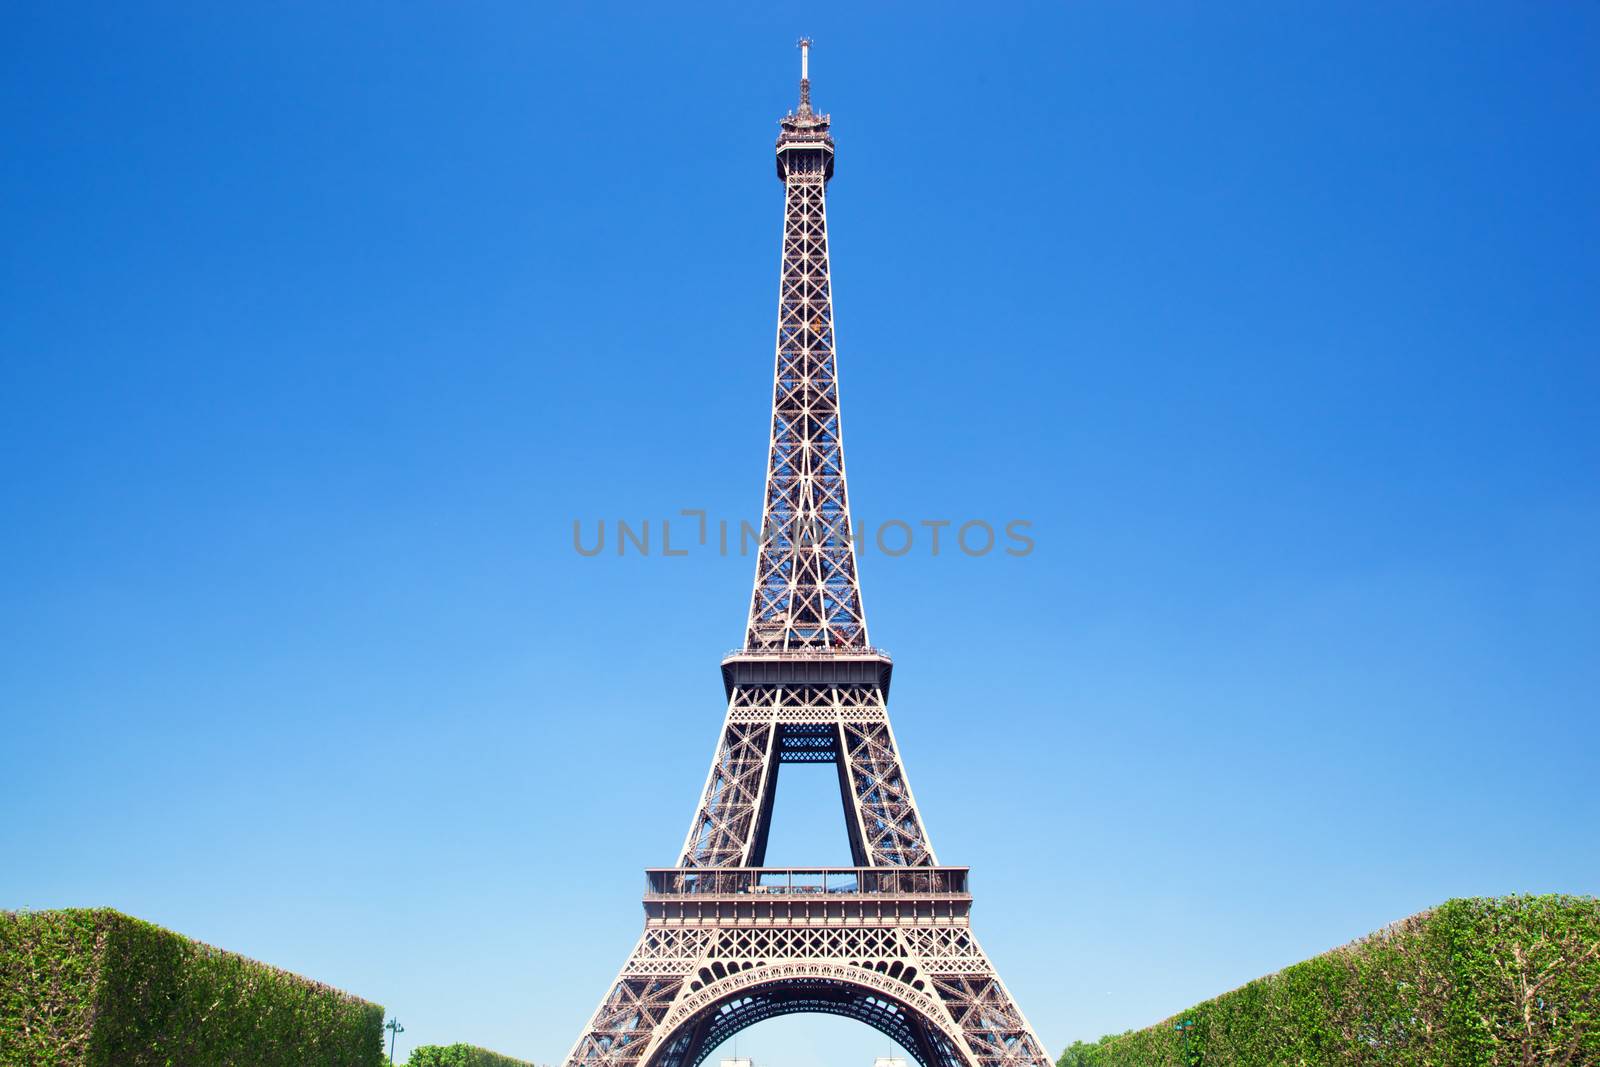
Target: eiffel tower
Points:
x,y
727,941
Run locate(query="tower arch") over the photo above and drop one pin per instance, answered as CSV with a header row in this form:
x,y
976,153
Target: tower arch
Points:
x,y
915,1020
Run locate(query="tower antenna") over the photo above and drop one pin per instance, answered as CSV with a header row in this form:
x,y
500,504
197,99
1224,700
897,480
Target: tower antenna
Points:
x,y
805,75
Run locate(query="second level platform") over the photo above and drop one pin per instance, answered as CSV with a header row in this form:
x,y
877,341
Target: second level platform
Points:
x,y
806,895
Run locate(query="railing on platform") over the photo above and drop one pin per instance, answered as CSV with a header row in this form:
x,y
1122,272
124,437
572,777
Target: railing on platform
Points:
x,y
809,653
674,882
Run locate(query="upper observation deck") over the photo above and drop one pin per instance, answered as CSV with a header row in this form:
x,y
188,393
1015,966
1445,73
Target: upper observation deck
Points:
x,y
805,146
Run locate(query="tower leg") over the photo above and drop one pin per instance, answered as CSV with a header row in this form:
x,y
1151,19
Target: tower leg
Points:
x,y
730,824
889,827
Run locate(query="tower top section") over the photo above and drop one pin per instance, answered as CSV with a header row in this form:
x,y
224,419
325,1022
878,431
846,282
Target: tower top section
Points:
x,y
804,145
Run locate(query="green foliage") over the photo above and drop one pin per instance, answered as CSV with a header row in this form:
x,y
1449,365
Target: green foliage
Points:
x,y
460,1056
48,962
1082,1053
1473,983
94,988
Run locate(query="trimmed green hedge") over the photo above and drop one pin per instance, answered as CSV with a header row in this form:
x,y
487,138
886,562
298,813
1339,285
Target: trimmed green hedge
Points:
x,y
95,988
1473,983
460,1056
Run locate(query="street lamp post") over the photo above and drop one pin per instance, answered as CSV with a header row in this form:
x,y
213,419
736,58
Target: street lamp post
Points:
x,y
395,1030
1183,1029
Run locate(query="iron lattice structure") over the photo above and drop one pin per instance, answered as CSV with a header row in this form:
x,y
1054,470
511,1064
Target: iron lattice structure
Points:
x,y
727,941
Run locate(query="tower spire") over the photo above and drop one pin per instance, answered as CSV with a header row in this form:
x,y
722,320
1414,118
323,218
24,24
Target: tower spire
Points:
x,y
805,75
805,129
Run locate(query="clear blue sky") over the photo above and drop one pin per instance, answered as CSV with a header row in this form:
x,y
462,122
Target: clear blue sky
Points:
x,y
318,329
